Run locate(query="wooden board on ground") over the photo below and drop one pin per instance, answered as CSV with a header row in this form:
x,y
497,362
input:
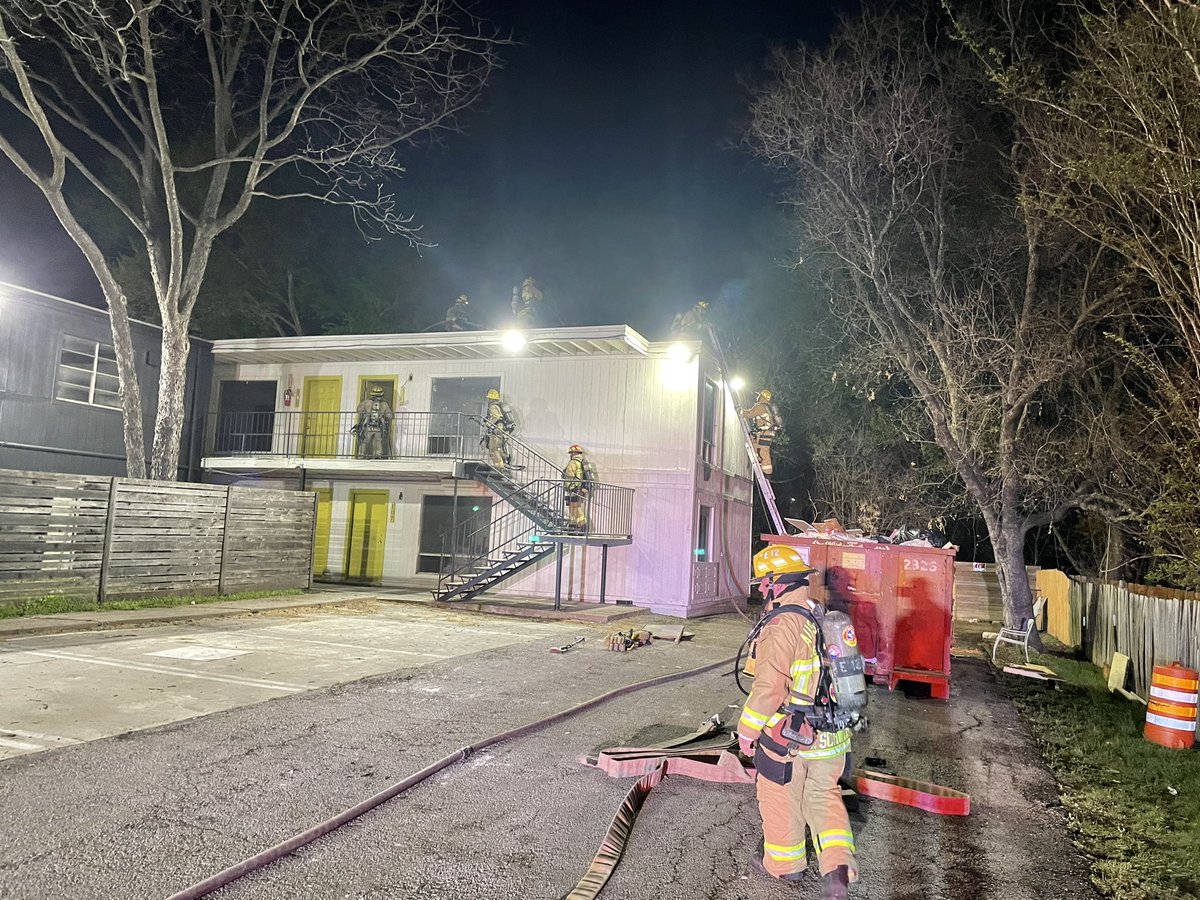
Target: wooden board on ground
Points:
x,y
1039,673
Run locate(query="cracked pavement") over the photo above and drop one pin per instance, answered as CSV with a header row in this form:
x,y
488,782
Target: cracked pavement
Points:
x,y
146,813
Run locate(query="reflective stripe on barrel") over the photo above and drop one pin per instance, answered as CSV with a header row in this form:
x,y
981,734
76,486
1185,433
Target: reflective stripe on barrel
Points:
x,y
1171,714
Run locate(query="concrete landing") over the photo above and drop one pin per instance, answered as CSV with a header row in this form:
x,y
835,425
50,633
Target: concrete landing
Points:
x,y
544,609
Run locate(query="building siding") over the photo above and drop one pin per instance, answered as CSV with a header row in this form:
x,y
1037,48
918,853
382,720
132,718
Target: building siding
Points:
x,y
638,418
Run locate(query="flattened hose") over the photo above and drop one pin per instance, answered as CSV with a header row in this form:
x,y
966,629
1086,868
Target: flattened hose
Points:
x,y
268,856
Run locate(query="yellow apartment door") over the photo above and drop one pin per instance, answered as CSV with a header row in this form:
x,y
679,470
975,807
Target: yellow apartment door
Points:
x,y
367,533
321,423
321,541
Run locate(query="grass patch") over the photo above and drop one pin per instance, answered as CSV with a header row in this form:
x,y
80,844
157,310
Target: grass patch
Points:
x,y
1143,840
48,606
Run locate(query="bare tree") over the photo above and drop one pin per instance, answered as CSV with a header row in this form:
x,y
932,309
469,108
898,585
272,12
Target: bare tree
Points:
x,y
179,114
911,190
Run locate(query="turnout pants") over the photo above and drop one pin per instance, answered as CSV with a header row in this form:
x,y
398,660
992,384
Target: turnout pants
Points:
x,y
811,798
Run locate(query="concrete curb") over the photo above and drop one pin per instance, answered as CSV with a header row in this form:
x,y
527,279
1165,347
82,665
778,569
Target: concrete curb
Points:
x,y
99,620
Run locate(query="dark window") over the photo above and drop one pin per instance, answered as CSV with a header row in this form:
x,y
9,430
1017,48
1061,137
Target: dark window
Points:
x,y
87,373
453,433
470,528
703,551
246,417
708,422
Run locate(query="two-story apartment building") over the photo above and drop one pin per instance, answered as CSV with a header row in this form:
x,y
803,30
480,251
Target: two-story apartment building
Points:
x,y
59,407
668,523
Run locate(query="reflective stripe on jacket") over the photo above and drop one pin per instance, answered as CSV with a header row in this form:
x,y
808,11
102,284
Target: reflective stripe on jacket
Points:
x,y
787,670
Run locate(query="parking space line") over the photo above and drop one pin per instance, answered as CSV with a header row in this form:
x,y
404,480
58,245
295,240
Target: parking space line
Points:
x,y
233,636
166,670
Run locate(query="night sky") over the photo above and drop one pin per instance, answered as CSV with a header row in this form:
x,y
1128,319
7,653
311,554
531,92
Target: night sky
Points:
x,y
602,159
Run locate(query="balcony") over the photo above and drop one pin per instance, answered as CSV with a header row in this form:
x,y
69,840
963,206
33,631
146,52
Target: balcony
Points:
x,y
414,441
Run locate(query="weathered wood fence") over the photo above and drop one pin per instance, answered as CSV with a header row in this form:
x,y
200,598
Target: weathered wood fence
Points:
x,y
1151,625
93,538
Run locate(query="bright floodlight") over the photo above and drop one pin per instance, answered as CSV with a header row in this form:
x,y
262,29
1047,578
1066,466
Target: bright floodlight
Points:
x,y
679,353
513,341
737,382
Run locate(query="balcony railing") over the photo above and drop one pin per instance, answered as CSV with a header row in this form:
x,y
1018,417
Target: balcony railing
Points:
x,y
339,435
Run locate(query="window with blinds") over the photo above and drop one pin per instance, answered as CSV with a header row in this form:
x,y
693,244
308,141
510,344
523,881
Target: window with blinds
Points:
x,y
87,373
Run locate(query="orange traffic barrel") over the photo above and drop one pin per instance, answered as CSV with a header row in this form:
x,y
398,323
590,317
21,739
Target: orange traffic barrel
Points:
x,y
1171,716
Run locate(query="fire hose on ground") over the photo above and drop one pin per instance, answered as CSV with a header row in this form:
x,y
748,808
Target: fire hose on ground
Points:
x,y
713,761
271,854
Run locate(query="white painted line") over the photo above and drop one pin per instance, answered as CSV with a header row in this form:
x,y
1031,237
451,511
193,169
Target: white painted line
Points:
x,y
200,654
166,670
38,736
364,647
19,745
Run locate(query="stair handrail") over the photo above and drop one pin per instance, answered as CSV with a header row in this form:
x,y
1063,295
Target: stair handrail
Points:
x,y
498,535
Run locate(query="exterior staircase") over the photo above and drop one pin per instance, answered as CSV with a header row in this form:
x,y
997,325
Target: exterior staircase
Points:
x,y
536,523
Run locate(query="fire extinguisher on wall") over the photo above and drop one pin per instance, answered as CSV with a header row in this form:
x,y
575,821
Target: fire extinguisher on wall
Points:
x,y
287,395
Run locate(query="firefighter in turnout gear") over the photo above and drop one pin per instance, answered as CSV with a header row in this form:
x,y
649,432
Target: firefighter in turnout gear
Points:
x,y
765,423
577,484
692,324
526,302
499,424
373,426
795,726
456,315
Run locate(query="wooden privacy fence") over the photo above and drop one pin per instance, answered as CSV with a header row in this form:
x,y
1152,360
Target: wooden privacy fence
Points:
x,y
1152,626
93,538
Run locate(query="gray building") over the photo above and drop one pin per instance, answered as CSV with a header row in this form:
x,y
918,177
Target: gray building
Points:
x,y
59,408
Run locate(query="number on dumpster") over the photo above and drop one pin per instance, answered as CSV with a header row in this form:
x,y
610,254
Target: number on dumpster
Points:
x,y
920,565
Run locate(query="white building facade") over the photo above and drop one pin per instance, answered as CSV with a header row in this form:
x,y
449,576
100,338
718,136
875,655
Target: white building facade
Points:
x,y
660,429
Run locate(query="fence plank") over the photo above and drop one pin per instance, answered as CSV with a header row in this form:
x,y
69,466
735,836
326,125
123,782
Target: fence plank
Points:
x,y
84,537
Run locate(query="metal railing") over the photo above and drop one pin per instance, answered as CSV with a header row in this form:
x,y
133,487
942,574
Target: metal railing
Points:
x,y
340,435
540,515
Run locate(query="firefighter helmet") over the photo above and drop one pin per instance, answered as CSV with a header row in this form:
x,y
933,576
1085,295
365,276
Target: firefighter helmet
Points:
x,y
493,394
764,395
462,298
573,449
781,561
703,304
376,390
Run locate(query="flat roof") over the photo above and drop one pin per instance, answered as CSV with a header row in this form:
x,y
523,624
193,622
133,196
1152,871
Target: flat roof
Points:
x,y
599,340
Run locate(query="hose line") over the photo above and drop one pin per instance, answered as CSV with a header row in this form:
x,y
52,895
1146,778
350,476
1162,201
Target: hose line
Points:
x,y
268,856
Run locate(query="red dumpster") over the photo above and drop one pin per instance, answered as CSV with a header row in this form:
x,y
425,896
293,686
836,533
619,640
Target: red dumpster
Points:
x,y
900,598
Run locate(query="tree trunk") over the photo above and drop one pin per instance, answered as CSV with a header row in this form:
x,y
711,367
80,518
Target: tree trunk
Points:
x,y
172,388
1008,544
131,393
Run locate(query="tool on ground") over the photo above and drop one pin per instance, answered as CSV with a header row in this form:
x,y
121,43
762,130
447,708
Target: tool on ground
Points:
x,y
565,647
627,640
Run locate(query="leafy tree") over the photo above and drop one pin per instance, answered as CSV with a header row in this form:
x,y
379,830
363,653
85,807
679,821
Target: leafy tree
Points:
x,y
179,114
911,194
1106,94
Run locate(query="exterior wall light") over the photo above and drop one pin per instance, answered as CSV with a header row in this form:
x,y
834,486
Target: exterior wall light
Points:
x,y
737,382
513,341
679,353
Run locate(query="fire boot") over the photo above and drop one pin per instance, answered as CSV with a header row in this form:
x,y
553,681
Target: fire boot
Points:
x,y
836,885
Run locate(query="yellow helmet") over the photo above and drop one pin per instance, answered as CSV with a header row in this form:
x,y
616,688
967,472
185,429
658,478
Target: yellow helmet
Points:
x,y
493,394
764,394
780,559
703,304
376,390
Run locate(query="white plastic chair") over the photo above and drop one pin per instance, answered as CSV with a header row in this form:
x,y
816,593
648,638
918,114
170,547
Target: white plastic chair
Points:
x,y
1020,636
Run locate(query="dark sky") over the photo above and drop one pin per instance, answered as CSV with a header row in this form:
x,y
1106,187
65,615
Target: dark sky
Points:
x,y
602,160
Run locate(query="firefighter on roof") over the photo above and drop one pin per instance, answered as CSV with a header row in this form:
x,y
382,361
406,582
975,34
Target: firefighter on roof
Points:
x,y
795,724
526,303
499,424
765,423
456,315
578,476
692,324
373,426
